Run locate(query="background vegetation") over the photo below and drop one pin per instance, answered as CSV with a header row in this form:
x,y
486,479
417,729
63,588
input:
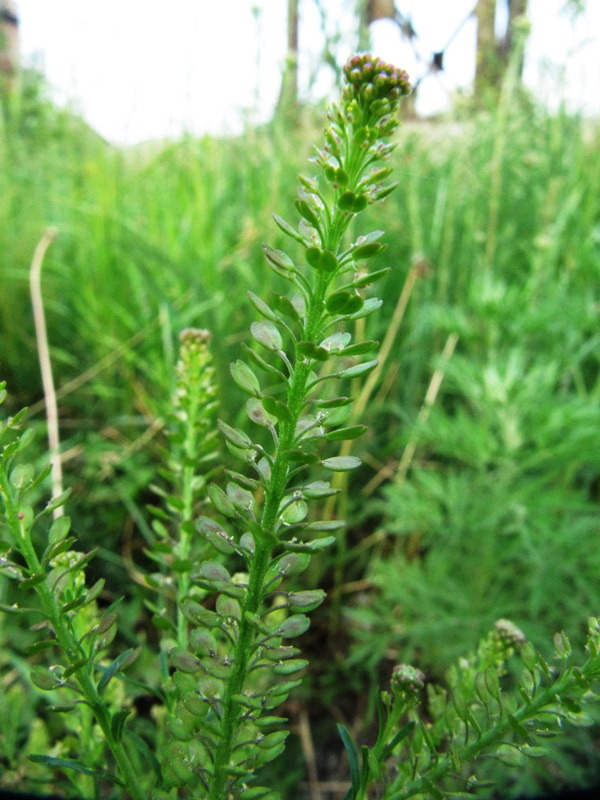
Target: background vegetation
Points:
x,y
478,502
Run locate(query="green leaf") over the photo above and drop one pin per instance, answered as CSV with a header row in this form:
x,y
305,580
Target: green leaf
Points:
x,y
118,665
336,402
318,489
344,434
220,501
341,463
285,306
57,501
256,412
235,436
33,580
309,547
395,741
14,609
198,615
363,252
287,228
242,499
293,626
326,524
352,754
179,730
262,307
44,678
260,362
59,530
358,369
277,257
75,668
259,793
22,475
40,646
228,607
311,350
386,190
184,661
278,409
322,260
245,378
267,335
370,278
360,348
306,600
213,571
344,302
117,723
281,689
371,305
295,512
290,666
306,212
81,562
71,763
288,565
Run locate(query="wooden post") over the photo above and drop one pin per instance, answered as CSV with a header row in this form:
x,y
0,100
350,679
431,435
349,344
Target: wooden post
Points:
x,y
487,58
288,96
494,55
516,9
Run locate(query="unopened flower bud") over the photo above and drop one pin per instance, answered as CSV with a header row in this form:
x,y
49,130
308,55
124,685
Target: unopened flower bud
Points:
x,y
507,633
407,680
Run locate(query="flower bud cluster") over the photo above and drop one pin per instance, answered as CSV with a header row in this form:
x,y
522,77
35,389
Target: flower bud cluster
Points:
x,y
375,86
196,385
407,680
507,635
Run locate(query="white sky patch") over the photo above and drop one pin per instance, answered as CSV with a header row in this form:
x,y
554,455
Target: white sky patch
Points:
x,y
144,69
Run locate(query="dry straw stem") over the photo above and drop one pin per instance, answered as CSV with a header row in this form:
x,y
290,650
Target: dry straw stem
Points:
x,y
41,335
411,446
430,398
416,271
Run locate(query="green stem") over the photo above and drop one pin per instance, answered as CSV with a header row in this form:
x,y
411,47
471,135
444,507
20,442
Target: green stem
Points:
x,y
185,543
486,740
67,643
263,550
274,494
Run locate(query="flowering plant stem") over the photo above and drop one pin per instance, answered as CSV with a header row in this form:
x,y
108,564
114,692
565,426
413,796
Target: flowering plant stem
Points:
x,y
79,660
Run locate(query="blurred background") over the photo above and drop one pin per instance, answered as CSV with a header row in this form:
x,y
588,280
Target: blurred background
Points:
x,y
141,70
157,139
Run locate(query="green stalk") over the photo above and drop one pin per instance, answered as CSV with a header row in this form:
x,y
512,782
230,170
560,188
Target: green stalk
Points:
x,y
187,515
352,145
491,737
68,645
263,552
296,398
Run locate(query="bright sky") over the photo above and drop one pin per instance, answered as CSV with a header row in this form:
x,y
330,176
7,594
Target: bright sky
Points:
x,y
144,69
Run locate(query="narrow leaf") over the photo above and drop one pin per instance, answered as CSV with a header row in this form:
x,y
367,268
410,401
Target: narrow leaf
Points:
x,y
352,754
118,665
341,463
71,763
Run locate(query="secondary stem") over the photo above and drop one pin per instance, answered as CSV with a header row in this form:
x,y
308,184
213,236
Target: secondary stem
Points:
x,y
69,646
